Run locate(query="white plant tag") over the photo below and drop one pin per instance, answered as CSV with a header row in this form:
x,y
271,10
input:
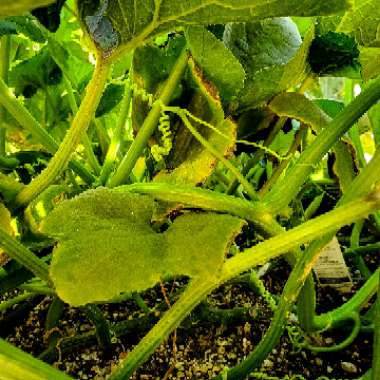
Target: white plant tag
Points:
x,y
331,269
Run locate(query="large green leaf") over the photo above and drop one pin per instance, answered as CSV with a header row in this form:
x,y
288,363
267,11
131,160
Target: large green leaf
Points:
x,y
363,20
265,49
370,62
34,73
216,61
128,23
16,7
107,245
26,25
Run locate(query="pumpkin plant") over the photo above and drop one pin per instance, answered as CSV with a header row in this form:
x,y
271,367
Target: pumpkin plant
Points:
x,y
140,140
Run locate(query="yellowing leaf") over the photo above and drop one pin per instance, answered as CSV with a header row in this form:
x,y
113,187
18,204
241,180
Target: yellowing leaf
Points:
x,y
107,245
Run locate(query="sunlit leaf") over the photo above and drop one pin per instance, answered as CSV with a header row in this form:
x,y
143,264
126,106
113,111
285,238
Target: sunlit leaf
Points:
x,y
16,7
216,61
125,24
107,245
363,20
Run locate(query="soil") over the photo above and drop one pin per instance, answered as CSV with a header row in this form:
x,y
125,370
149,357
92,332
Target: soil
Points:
x,y
198,350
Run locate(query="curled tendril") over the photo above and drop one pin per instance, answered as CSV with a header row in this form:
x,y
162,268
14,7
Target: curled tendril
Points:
x,y
158,151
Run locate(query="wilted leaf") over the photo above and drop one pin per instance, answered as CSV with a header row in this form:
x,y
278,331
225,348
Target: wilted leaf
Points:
x,y
107,245
190,162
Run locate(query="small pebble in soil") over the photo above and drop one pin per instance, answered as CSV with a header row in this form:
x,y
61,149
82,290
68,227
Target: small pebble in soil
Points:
x,y
349,367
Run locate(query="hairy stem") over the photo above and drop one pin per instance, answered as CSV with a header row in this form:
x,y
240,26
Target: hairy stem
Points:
x,y
5,45
22,255
150,123
114,146
376,343
92,160
250,258
74,135
18,365
27,121
193,295
287,188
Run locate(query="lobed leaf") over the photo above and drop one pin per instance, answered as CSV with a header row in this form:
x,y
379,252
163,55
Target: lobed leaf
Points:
x,y
107,245
128,23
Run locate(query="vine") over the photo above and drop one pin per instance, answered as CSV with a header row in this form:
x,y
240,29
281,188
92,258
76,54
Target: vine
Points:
x,y
158,151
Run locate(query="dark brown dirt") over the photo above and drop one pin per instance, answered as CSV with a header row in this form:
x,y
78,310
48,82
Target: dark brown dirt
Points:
x,y
201,351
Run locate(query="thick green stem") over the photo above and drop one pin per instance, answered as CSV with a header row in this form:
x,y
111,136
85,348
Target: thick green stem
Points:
x,y
92,160
307,231
74,135
27,121
354,132
255,212
150,123
287,188
114,146
5,45
359,187
22,255
361,298
5,305
250,258
290,293
284,163
195,292
102,327
296,280
252,162
18,365
376,343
